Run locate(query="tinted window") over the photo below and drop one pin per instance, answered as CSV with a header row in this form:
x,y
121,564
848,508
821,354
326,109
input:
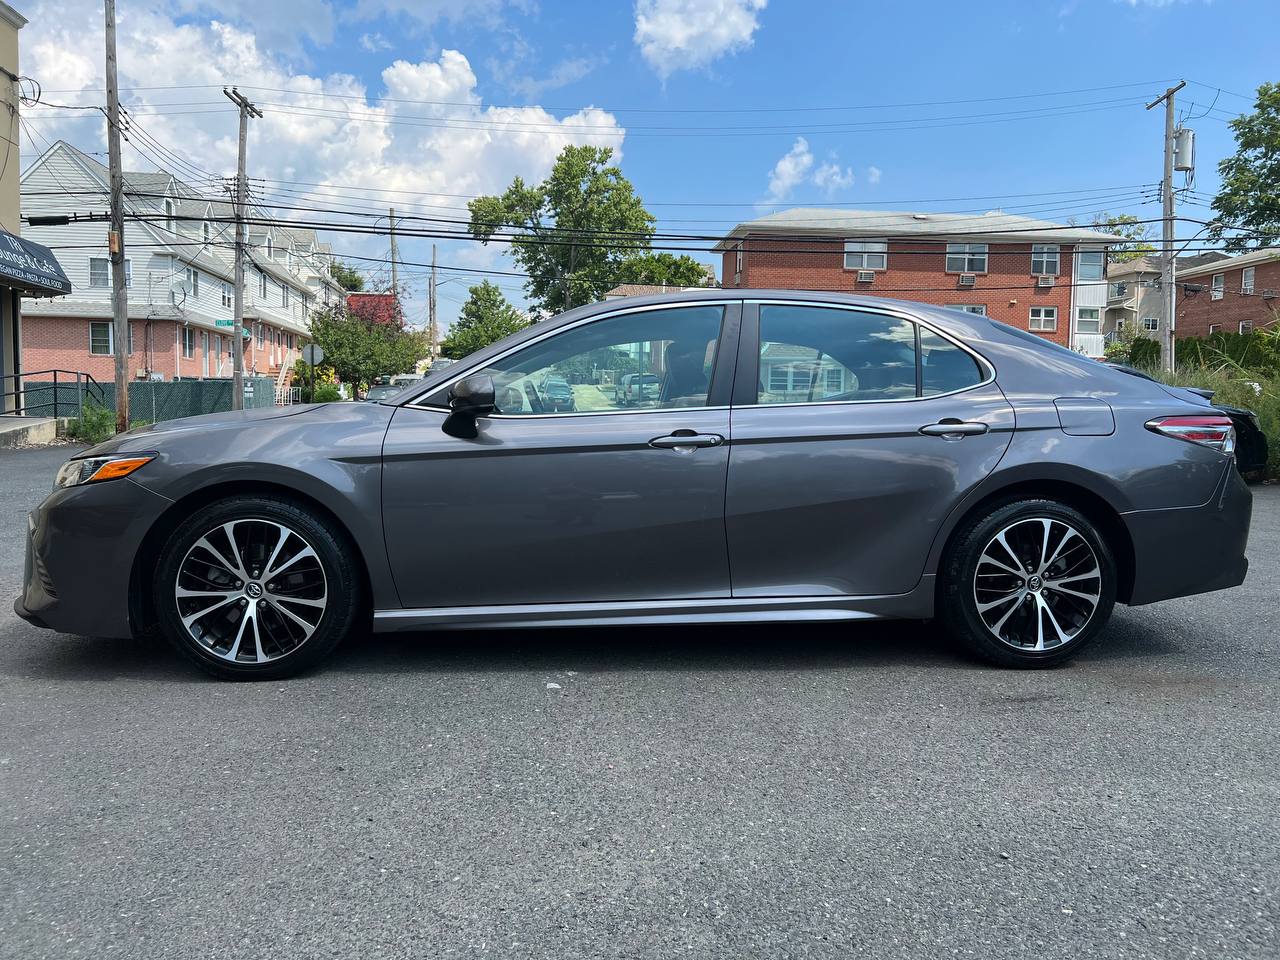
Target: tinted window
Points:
x,y
647,360
944,367
810,354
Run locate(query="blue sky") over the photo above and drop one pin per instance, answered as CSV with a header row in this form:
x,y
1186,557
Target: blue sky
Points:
x,y
718,107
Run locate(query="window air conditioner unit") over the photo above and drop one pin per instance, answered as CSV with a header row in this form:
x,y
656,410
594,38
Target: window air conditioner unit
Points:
x,y
866,276
1044,281
967,279
1268,294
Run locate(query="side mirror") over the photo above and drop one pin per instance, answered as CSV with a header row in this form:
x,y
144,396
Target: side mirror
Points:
x,y
469,399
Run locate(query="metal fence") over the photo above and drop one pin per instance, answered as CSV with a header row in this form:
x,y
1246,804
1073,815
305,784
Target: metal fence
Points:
x,y
149,401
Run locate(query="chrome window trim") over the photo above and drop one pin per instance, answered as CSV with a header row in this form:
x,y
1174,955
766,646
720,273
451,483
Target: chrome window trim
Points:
x,y
463,374
983,362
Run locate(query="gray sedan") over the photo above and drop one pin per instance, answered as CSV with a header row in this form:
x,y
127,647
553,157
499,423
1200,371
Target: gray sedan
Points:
x,y
803,457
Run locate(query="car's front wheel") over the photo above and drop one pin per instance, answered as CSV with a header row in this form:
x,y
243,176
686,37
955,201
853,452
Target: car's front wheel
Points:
x,y
1028,584
256,588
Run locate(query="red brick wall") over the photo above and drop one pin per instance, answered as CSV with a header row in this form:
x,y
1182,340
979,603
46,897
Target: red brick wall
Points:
x,y
1197,311
62,343
917,271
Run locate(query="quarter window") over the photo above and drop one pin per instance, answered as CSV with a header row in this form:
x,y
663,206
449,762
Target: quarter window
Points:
x,y
1044,259
966,258
866,255
1043,319
648,360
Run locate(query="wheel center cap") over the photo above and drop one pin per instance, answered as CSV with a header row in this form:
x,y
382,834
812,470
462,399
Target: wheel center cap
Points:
x,y
1034,583
253,590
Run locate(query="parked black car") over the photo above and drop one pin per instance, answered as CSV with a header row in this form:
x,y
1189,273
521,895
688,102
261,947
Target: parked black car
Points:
x,y
1251,442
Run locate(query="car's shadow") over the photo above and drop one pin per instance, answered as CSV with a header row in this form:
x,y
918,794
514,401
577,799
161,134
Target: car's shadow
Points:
x,y
766,648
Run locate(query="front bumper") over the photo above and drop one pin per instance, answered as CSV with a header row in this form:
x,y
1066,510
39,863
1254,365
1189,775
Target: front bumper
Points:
x,y
1189,550
81,545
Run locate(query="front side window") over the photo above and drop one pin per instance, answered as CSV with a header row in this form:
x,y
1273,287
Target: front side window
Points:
x,y
1044,259
866,255
1246,280
1091,265
101,338
648,360
822,354
1218,286
1089,320
966,258
1043,319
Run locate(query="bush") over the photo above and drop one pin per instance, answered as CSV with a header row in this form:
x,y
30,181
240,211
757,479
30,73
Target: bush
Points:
x,y
1134,350
1258,351
93,426
325,393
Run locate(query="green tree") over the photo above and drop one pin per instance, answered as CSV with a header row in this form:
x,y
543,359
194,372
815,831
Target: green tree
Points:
x,y
570,232
485,318
1249,197
1137,236
347,275
661,268
359,349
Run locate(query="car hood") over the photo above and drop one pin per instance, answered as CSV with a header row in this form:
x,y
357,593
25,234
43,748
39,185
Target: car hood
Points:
x,y
153,434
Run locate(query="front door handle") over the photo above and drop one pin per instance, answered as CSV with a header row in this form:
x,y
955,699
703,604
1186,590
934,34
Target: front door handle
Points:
x,y
951,429
686,440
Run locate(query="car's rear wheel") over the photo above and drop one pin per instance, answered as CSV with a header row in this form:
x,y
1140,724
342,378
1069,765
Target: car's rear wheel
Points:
x,y
256,588
1028,584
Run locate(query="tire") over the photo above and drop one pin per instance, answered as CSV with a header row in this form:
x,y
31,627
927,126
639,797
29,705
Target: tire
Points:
x,y
1017,631
254,621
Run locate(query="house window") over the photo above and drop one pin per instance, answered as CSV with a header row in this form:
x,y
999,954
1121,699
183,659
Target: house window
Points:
x,y
270,248
1246,280
228,295
289,340
966,258
1151,323
1091,265
1246,326
262,285
1088,320
1218,286
1117,289
1044,259
100,272
188,343
738,257
284,295
205,231
168,214
979,308
1214,328
261,335
866,255
101,338
193,282
1121,323
1043,319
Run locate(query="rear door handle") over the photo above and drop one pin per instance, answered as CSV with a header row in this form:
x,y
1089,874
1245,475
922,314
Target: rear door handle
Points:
x,y
950,429
682,440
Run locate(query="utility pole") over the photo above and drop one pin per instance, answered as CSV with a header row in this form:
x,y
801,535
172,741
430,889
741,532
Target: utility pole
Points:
x,y
1167,275
115,238
433,332
395,277
247,109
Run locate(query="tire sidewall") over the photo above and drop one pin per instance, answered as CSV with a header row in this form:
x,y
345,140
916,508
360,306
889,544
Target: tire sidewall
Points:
x,y
960,606
334,554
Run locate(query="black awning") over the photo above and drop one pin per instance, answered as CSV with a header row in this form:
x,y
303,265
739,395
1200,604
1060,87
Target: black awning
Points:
x,y
30,268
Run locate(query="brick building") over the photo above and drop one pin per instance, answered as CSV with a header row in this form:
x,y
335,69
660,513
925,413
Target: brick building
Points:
x,y
1235,295
1044,277
179,272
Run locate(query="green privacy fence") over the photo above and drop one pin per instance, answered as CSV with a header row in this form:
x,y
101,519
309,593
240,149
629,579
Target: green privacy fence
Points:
x,y
148,401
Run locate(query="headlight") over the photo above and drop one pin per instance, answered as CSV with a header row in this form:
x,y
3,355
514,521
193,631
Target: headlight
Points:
x,y
94,469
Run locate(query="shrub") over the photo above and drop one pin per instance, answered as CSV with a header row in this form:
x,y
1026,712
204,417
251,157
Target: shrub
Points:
x,y
94,425
1134,350
325,393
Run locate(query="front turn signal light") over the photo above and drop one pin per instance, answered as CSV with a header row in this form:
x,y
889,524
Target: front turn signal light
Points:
x,y
95,469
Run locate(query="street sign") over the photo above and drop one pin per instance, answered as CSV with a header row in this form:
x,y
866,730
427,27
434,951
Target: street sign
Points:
x,y
224,323
312,354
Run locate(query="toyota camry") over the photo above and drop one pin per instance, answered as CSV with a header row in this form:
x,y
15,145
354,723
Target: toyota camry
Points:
x,y
800,457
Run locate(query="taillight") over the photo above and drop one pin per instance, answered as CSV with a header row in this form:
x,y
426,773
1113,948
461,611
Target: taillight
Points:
x,y
1210,430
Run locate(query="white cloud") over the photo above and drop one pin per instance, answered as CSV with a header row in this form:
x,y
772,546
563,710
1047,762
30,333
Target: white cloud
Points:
x,y
327,128
833,178
798,167
688,34
374,42
873,175
791,170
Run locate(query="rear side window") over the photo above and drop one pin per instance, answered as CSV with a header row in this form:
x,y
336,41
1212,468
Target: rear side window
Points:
x,y
821,354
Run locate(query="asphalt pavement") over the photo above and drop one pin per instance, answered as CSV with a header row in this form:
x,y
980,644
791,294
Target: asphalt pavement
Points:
x,y
784,791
